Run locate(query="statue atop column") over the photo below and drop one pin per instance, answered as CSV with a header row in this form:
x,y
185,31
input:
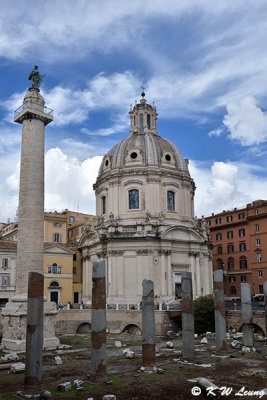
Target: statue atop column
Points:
x,y
36,77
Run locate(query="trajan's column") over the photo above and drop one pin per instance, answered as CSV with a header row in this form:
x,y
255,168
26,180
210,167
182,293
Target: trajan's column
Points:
x,y
34,116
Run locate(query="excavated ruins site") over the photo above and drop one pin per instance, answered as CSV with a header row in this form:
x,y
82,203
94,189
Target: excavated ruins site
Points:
x,y
174,378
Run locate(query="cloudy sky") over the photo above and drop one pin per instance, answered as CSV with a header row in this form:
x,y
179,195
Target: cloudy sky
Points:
x,y
203,63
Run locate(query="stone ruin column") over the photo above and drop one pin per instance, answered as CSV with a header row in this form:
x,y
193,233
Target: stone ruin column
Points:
x,y
98,320
33,117
247,326
34,334
148,324
188,331
265,298
220,321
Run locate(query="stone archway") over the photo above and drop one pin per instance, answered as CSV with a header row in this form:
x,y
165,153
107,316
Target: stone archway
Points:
x,y
84,327
132,329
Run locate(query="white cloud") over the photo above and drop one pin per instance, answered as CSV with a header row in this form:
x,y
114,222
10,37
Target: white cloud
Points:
x,y
246,122
68,183
72,184
216,132
225,185
74,105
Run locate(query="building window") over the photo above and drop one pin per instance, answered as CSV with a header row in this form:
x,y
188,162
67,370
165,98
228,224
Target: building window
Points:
x,y
220,250
230,248
72,233
220,263
231,278
170,200
57,224
5,263
229,218
258,257
54,269
241,232
257,228
241,215
243,262
71,220
242,246
148,121
74,257
258,242
5,280
74,271
133,199
218,236
103,201
57,237
256,211
261,289
260,273
231,263
209,222
77,231
243,278
230,234
141,122
233,290
218,221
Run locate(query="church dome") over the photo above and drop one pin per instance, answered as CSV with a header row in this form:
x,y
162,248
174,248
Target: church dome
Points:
x,y
144,147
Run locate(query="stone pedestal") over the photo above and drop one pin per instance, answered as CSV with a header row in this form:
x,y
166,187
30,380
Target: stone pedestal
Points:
x,y
14,319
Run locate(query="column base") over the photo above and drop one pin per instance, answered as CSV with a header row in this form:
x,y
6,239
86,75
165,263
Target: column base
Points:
x,y
14,319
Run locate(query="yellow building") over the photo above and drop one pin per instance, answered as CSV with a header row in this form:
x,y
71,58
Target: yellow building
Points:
x,y
62,260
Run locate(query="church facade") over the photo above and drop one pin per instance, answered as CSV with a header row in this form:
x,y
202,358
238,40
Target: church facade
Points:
x,y
145,225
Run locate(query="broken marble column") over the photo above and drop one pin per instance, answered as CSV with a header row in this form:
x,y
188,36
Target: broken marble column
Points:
x,y
265,299
188,331
220,320
98,320
247,326
148,324
34,333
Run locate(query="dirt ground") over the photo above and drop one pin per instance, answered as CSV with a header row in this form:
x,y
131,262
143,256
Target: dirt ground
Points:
x,y
248,371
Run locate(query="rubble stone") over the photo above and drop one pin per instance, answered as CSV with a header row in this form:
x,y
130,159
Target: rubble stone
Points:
x,y
118,343
17,368
204,340
58,360
170,345
64,387
236,344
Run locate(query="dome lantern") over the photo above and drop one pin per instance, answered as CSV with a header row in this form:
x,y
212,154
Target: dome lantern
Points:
x,y
143,117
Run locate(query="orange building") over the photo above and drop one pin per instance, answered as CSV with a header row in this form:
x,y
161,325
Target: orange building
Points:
x,y
239,239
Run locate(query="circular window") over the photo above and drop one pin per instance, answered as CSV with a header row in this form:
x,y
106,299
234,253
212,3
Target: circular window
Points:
x,y
168,157
133,155
106,163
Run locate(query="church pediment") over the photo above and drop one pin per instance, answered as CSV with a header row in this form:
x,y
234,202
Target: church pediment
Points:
x,y
57,249
89,238
179,232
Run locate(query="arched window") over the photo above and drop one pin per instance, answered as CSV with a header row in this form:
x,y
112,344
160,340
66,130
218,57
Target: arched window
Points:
x,y
233,290
243,262
231,263
141,122
170,200
133,199
54,284
220,263
148,121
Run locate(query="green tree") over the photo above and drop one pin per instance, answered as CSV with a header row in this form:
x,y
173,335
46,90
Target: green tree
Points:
x,y
204,314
